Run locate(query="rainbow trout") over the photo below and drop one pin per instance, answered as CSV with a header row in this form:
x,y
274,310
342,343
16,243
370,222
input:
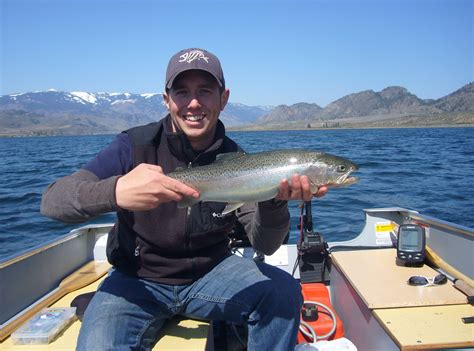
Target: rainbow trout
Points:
x,y
237,178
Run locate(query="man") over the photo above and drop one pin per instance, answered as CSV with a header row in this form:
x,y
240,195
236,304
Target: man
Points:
x,y
167,260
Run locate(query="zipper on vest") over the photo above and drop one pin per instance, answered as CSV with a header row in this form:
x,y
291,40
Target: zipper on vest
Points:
x,y
187,233
187,239
187,229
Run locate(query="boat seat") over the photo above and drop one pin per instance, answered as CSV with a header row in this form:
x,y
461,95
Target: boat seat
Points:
x,y
179,333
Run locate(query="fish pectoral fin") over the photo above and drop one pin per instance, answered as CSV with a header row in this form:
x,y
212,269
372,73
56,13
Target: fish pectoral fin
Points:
x,y
232,206
187,201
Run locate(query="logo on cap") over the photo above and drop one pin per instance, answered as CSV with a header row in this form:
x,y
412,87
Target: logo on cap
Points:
x,y
192,56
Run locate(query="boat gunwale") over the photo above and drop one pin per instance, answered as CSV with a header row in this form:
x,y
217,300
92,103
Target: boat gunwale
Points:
x,y
415,215
74,233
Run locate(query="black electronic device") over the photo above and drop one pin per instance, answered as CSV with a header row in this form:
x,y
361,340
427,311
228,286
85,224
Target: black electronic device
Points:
x,y
411,244
313,254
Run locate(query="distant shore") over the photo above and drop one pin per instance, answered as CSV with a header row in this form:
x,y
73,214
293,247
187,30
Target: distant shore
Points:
x,y
266,129
253,128
444,120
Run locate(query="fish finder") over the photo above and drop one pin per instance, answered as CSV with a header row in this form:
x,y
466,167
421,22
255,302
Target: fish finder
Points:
x,y
411,244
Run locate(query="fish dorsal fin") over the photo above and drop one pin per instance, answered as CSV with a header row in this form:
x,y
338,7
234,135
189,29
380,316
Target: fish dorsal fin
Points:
x,y
179,168
228,156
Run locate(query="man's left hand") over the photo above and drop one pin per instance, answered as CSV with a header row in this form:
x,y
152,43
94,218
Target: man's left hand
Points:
x,y
298,189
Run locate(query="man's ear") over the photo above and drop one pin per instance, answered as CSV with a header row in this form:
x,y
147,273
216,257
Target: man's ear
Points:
x,y
166,99
224,98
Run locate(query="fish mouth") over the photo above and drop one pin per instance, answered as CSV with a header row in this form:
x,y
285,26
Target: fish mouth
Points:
x,y
350,180
345,182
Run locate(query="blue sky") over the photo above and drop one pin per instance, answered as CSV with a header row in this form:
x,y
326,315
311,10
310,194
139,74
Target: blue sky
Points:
x,y
273,52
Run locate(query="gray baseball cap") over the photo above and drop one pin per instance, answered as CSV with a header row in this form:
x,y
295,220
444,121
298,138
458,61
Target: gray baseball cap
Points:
x,y
194,58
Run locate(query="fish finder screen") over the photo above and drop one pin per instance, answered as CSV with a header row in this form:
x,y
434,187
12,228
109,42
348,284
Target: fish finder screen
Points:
x,y
411,240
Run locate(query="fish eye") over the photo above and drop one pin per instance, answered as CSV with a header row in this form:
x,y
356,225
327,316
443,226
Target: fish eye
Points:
x,y
341,168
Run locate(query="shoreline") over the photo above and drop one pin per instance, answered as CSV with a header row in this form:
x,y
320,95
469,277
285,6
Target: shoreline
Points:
x,y
45,134
253,129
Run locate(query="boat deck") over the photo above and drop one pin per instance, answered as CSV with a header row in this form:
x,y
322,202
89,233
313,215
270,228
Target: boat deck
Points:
x,y
179,334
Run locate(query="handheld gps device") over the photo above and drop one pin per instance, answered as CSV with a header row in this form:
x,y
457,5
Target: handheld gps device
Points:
x,y
411,244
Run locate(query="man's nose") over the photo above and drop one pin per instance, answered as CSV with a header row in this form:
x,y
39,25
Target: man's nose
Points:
x,y
194,103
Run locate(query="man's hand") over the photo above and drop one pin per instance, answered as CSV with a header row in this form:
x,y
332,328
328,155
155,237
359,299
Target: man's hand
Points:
x,y
300,189
146,187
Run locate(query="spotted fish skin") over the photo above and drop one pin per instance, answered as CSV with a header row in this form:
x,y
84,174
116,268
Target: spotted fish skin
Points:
x,y
237,178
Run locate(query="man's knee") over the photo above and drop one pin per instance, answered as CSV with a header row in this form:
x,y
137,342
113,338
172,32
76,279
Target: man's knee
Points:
x,y
284,292
289,292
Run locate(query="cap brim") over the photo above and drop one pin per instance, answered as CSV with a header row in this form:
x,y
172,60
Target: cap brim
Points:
x,y
170,82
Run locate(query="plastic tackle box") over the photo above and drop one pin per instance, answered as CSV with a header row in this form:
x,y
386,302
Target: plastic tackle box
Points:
x,y
44,326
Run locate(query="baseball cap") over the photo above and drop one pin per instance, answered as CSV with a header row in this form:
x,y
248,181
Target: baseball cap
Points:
x,y
194,58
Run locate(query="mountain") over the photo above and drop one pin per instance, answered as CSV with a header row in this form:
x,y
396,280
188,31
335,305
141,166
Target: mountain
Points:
x,y
236,114
391,102
461,100
296,112
59,112
53,101
56,112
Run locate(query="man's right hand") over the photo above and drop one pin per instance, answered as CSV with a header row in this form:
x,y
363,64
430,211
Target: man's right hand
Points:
x,y
146,187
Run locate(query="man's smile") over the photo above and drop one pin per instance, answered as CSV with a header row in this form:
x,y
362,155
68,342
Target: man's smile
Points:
x,y
194,118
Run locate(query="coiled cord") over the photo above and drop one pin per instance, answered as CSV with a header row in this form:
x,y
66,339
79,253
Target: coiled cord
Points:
x,y
310,332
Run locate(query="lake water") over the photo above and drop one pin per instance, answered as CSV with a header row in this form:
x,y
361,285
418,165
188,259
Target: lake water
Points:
x,y
429,170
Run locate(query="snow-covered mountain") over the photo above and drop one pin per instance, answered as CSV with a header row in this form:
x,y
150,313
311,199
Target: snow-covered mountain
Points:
x,y
78,101
59,112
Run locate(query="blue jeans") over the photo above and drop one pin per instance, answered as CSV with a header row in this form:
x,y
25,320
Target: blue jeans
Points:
x,y
127,313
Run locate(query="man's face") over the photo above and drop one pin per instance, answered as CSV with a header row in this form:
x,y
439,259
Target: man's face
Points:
x,y
194,103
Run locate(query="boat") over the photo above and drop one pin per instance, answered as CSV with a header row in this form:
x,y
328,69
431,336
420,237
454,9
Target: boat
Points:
x,y
358,287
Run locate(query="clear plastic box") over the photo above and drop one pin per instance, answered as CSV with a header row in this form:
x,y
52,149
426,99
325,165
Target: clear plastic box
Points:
x,y
44,326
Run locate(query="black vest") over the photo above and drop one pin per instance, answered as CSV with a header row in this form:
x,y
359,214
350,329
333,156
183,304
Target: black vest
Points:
x,y
167,244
